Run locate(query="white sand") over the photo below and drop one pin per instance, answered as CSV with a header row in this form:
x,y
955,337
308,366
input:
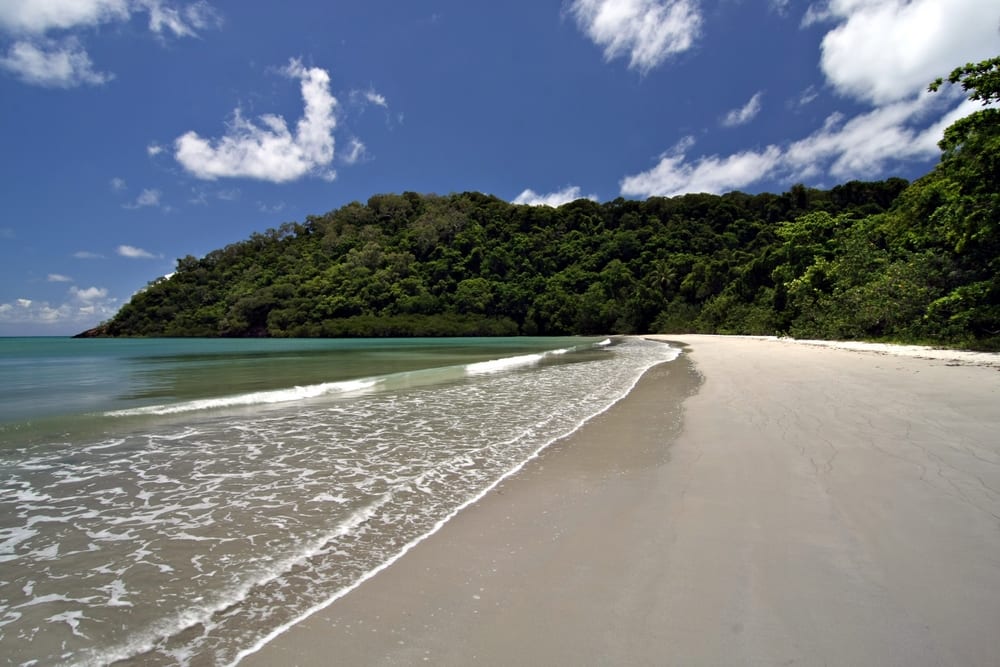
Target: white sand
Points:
x,y
814,506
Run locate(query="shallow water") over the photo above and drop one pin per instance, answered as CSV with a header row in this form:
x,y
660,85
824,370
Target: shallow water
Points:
x,y
201,499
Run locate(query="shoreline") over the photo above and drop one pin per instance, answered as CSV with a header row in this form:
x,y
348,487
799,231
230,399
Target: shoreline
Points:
x,y
789,516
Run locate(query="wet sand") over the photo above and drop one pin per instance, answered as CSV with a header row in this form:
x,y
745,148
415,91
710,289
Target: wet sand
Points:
x,y
757,502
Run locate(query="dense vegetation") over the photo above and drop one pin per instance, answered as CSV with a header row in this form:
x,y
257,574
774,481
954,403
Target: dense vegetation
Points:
x,y
883,260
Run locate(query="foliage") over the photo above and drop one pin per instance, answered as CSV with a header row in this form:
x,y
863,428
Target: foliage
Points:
x,y
885,259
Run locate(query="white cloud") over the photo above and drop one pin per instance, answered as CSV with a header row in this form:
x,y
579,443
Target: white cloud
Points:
x,y
134,253
887,50
88,294
154,149
200,195
38,60
52,64
117,184
59,278
843,149
864,145
355,152
779,6
86,254
816,13
181,21
270,208
675,175
40,16
269,151
83,308
647,32
880,52
807,96
558,198
744,114
148,197
376,98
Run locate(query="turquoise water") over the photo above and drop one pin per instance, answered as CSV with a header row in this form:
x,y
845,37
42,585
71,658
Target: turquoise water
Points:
x,y
178,501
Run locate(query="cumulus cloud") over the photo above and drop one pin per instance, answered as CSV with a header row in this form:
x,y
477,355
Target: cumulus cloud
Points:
x,y
154,149
88,294
29,311
842,148
40,16
881,52
52,64
674,174
647,32
37,59
134,253
268,151
865,145
558,198
744,114
59,278
82,308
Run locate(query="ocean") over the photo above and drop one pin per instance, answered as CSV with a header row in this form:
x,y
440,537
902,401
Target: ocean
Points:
x,y
180,501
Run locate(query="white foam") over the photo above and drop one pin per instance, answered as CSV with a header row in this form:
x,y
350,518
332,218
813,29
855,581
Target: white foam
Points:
x,y
70,618
255,398
504,364
669,354
202,614
313,499
15,535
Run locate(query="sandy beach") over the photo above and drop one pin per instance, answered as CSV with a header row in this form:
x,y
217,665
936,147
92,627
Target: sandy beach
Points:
x,y
756,502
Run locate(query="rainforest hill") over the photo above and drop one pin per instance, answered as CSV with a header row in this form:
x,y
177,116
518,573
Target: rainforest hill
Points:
x,y
876,260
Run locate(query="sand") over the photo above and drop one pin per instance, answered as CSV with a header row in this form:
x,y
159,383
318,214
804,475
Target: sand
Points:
x,y
757,502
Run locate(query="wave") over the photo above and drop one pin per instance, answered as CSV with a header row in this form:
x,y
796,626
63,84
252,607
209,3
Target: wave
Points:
x,y
255,398
504,364
362,385
523,360
205,614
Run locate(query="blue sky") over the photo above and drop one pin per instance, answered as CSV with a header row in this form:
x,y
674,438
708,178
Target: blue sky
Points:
x,y
135,132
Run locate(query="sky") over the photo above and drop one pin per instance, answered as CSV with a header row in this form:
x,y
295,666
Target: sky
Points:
x,y
137,132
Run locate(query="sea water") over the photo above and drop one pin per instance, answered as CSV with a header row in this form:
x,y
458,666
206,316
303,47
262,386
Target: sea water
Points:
x,y
180,501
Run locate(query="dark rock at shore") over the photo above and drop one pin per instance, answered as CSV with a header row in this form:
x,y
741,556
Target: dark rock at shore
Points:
x,y
100,331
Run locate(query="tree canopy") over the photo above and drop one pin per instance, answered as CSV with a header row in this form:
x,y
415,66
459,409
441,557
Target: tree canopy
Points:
x,y
877,260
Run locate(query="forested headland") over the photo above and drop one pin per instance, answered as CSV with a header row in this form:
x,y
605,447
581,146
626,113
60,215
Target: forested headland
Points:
x,y
888,260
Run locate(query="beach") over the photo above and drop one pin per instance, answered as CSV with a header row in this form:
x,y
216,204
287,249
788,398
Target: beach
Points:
x,y
756,502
